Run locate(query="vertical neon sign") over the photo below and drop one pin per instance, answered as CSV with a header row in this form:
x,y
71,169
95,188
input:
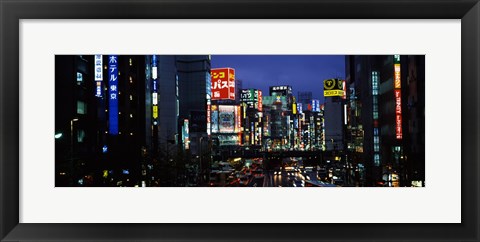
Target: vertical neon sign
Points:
x,y
98,74
398,97
154,84
376,134
113,94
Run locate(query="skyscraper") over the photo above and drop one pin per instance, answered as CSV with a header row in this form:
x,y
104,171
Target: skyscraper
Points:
x,y
386,113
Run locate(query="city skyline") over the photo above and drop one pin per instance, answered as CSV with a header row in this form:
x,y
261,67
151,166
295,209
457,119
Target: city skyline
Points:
x,y
187,121
305,73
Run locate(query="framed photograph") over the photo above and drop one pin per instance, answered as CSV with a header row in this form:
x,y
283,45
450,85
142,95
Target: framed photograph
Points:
x,y
238,120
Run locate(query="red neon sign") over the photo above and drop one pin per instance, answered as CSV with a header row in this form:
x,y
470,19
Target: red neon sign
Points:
x,y
398,114
223,83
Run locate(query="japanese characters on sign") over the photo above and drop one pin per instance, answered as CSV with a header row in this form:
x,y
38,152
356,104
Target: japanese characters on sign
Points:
x,y
282,90
333,88
98,91
154,84
238,121
260,100
223,83
113,94
209,118
98,67
397,76
398,97
247,95
398,114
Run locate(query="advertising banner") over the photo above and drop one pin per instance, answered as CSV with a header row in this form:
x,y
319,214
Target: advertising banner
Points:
x,y
98,74
214,120
238,120
98,68
397,76
223,83
229,139
333,88
226,119
113,94
185,133
398,114
260,101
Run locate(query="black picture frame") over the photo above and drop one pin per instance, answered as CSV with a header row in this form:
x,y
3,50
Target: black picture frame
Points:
x,y
11,11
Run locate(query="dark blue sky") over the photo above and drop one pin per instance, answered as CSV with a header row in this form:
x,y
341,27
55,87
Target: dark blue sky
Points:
x,y
302,72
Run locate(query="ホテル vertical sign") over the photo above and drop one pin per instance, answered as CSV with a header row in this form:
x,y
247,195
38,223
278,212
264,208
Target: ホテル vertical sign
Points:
x,y
113,94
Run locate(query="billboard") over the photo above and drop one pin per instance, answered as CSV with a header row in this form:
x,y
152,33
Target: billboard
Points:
x,y
98,74
185,134
260,101
98,68
247,95
397,76
398,96
229,139
113,94
253,98
214,119
238,119
154,84
398,114
282,90
223,83
226,119
333,88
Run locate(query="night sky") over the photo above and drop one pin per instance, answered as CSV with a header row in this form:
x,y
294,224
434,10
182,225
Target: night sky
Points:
x,y
302,72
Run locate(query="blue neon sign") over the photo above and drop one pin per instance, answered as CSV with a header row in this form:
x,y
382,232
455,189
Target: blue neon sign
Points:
x,y
154,60
113,94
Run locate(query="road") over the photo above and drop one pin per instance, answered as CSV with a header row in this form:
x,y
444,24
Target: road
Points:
x,y
284,179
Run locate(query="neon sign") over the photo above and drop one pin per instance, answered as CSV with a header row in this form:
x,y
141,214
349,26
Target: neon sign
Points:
x,y
113,94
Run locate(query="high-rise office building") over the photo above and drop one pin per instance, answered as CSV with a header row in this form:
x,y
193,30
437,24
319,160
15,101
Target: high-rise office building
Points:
x,y
385,97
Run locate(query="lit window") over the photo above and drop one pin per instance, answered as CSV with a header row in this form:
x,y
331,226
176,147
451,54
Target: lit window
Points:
x,y
376,159
131,98
131,115
79,77
80,135
81,107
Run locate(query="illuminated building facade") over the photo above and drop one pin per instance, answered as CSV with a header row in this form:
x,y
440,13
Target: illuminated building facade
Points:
x,y
385,113
86,119
194,83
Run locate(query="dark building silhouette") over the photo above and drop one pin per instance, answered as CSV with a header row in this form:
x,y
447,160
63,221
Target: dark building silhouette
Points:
x,y
386,120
